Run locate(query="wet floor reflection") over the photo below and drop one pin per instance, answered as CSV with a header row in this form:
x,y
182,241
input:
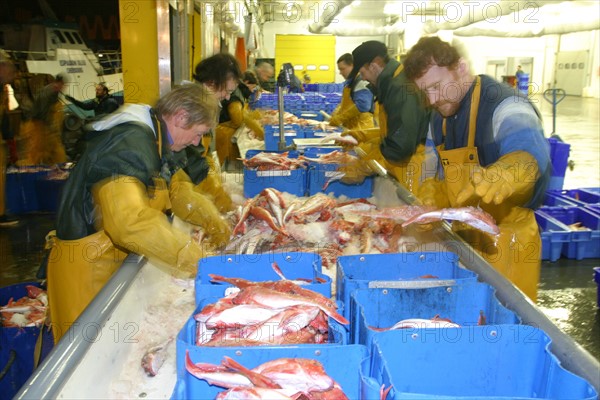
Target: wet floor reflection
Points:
x,y
577,123
568,296
21,248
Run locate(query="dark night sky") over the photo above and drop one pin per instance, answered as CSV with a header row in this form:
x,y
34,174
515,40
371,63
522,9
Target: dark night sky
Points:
x,y
98,19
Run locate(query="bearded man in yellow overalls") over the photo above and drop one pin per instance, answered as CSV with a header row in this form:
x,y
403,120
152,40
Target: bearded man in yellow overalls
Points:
x,y
116,198
490,147
398,142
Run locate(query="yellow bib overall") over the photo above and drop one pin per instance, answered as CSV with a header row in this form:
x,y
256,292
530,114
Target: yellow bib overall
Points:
x,y
79,269
516,251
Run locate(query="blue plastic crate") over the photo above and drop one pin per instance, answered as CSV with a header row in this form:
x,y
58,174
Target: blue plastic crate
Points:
x,y
290,181
257,267
580,197
319,174
553,199
49,192
595,208
559,155
186,338
382,308
499,362
554,235
342,363
17,345
291,132
583,243
21,194
402,270
597,280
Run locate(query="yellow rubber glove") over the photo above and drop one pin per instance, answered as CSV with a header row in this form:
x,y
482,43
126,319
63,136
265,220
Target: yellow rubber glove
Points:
x,y
236,114
213,186
341,118
364,135
197,209
511,178
355,172
254,126
255,114
131,224
432,192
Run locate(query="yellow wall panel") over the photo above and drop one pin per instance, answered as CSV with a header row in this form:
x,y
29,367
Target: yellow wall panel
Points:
x,y
307,49
195,41
139,50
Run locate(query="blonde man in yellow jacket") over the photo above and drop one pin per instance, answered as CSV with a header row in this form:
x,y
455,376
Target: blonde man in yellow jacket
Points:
x,y
116,199
356,108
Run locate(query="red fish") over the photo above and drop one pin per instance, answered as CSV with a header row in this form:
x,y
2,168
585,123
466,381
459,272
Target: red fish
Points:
x,y
475,217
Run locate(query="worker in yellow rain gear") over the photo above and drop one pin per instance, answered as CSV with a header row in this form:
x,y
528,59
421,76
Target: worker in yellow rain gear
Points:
x,y
44,130
356,108
7,74
116,198
487,148
234,114
398,142
220,74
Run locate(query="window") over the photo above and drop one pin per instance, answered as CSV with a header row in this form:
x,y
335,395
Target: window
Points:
x,y
298,67
323,67
60,36
69,37
78,38
581,65
311,67
574,66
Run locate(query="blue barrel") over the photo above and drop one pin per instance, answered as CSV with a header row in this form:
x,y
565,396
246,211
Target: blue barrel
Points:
x,y
523,83
559,155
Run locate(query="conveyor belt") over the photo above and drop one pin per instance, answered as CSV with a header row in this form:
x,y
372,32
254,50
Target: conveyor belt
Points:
x,y
63,372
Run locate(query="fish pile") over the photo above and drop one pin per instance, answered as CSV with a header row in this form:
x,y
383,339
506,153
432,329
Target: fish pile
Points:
x,y
265,161
275,221
27,311
265,313
282,378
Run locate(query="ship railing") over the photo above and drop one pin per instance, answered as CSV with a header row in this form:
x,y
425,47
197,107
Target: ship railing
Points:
x,y
110,61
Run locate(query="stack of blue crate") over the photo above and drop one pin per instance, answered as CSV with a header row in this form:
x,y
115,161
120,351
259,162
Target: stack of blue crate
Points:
x,y
292,181
341,361
485,353
570,220
456,339
290,132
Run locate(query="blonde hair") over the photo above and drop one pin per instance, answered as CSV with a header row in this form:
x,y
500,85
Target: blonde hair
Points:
x,y
200,105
